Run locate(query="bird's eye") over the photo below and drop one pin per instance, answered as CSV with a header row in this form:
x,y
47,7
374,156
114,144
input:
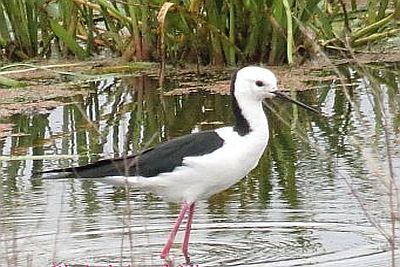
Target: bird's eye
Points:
x,y
259,83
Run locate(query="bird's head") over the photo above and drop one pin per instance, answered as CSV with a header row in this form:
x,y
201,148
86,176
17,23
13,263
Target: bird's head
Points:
x,y
260,83
256,82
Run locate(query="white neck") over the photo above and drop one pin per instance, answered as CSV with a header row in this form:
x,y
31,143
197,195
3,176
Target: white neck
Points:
x,y
253,112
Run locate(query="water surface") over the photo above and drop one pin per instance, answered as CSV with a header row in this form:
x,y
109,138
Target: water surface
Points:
x,y
319,197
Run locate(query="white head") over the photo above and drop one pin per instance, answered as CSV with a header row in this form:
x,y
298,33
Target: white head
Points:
x,y
249,86
254,82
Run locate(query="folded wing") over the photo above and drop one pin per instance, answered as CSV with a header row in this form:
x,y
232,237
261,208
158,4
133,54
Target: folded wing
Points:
x,y
150,162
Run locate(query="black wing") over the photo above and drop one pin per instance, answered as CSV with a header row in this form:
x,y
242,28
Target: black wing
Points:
x,y
151,162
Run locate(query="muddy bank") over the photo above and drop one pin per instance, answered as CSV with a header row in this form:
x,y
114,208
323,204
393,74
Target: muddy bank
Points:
x,y
50,84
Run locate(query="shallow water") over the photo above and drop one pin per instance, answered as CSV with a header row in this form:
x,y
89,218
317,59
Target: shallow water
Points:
x,y
319,196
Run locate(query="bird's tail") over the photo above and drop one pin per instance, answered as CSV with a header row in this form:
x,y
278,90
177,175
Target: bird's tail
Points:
x,y
57,174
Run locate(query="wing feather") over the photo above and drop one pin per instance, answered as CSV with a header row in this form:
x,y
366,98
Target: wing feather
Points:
x,y
150,162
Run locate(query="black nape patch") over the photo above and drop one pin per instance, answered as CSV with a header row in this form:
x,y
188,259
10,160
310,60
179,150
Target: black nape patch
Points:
x,y
242,126
151,162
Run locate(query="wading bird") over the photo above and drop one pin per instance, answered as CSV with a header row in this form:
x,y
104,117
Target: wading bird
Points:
x,y
198,165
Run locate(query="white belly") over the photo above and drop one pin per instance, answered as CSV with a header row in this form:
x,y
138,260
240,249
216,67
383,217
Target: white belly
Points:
x,y
203,176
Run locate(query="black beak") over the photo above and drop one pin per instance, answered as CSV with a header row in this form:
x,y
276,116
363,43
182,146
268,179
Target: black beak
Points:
x,y
287,98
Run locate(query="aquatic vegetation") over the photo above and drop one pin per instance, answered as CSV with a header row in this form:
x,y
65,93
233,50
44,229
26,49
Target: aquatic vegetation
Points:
x,y
204,32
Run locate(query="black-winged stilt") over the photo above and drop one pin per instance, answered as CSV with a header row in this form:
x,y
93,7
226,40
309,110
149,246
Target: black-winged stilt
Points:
x,y
198,165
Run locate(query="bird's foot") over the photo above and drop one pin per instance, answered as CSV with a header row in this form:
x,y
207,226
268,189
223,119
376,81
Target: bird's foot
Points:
x,y
168,262
187,260
190,264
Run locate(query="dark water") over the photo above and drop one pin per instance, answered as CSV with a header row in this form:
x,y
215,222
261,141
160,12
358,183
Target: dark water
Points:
x,y
319,197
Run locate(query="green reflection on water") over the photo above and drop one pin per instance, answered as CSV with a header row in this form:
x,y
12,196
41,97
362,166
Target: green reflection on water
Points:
x,y
300,168
130,114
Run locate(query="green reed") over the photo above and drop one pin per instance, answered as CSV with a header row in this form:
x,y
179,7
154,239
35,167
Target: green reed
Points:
x,y
214,32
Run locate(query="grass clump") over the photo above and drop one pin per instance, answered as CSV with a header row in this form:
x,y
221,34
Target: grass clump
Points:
x,y
205,32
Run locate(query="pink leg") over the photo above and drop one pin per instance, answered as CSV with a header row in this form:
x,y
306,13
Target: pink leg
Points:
x,y
185,244
172,234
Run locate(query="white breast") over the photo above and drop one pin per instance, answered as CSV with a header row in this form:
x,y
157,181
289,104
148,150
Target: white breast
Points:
x,y
203,176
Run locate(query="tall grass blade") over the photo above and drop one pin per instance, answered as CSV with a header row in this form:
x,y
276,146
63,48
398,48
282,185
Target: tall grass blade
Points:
x,y
135,44
115,12
16,14
373,27
161,21
278,34
232,34
32,24
289,35
4,32
68,39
